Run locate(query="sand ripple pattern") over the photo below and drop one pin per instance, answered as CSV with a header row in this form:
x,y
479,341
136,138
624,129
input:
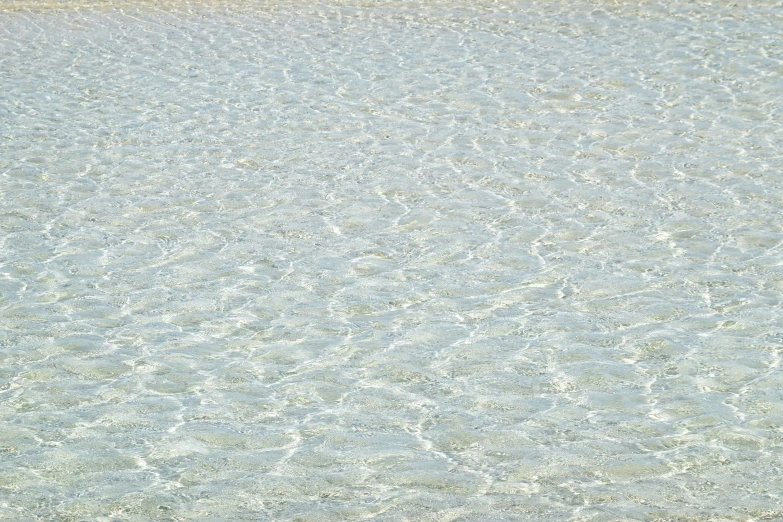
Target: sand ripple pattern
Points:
x,y
391,261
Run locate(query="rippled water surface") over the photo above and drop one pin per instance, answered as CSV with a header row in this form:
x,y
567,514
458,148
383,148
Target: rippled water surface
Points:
x,y
391,261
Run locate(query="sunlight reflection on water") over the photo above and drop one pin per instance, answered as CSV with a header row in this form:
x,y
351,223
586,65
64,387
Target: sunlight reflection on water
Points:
x,y
405,261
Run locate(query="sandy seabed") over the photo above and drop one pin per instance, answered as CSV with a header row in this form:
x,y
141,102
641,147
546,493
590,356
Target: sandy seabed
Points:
x,y
391,261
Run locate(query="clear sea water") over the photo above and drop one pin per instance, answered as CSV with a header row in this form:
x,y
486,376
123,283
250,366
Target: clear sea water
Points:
x,y
472,261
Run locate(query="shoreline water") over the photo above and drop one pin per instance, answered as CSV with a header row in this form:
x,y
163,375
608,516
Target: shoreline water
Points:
x,y
407,263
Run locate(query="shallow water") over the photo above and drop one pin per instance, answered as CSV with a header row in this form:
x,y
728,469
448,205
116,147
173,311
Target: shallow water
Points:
x,y
480,261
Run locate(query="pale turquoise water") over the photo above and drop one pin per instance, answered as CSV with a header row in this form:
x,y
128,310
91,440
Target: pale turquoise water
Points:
x,y
512,261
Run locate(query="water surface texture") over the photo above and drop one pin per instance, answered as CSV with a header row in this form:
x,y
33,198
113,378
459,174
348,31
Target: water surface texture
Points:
x,y
391,261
